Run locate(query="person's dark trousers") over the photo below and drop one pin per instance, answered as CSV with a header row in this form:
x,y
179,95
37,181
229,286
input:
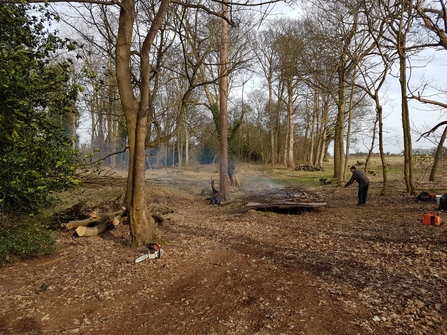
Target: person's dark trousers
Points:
x,y
363,193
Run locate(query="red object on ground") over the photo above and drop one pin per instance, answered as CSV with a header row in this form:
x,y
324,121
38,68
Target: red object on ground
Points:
x,y
432,218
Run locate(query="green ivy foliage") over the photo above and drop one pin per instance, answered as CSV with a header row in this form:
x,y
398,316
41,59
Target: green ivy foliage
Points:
x,y
23,237
37,95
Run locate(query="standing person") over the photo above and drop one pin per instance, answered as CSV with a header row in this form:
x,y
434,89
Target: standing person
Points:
x,y
363,181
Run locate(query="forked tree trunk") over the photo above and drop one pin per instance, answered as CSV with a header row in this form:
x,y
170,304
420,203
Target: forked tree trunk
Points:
x,y
142,225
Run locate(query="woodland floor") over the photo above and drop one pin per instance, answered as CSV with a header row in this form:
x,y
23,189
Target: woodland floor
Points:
x,y
340,269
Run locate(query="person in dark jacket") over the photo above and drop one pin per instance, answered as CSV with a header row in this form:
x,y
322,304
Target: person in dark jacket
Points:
x,y
363,181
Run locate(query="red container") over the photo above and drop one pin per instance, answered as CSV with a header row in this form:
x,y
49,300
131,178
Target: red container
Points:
x,y
432,218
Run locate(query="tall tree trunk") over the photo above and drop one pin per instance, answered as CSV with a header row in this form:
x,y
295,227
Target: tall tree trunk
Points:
x,y
289,159
142,226
406,126
373,143
348,132
186,145
339,128
438,155
278,133
314,118
381,150
271,121
322,137
223,94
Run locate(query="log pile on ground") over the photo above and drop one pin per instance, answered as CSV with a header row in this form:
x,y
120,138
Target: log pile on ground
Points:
x,y
325,181
285,198
96,224
308,167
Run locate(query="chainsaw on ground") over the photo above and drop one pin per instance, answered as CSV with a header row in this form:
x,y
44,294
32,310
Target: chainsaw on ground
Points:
x,y
155,251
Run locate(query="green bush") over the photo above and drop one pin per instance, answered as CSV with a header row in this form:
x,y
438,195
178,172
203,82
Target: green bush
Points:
x,y
38,108
24,237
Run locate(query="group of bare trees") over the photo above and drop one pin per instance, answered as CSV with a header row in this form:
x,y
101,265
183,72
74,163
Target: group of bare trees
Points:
x,y
154,73
330,88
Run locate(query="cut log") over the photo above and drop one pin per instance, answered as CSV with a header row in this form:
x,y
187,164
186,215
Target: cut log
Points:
x,y
75,224
93,231
230,202
158,211
108,216
96,217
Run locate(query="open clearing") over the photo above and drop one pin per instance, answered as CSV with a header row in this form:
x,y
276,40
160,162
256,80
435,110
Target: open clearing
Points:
x,y
341,269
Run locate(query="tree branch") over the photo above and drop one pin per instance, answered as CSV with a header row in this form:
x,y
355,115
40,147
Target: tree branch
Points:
x,y
98,2
427,133
427,101
432,102
114,153
229,4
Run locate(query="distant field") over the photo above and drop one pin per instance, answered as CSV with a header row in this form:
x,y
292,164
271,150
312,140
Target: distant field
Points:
x,y
395,173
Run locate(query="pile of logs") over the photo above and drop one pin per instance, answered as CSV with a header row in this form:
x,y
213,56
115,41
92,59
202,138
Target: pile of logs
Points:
x,y
325,181
104,221
287,197
99,223
308,167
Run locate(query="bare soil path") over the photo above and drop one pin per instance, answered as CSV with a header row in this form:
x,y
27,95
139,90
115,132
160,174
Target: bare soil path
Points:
x,y
337,270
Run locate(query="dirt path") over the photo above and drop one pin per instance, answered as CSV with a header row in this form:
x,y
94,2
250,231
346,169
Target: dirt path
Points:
x,y
337,270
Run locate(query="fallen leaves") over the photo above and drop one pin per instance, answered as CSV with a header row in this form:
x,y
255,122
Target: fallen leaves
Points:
x,y
337,270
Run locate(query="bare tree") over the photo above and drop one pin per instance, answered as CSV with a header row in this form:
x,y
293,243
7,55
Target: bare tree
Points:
x,y
267,58
374,72
137,94
288,47
339,32
434,17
